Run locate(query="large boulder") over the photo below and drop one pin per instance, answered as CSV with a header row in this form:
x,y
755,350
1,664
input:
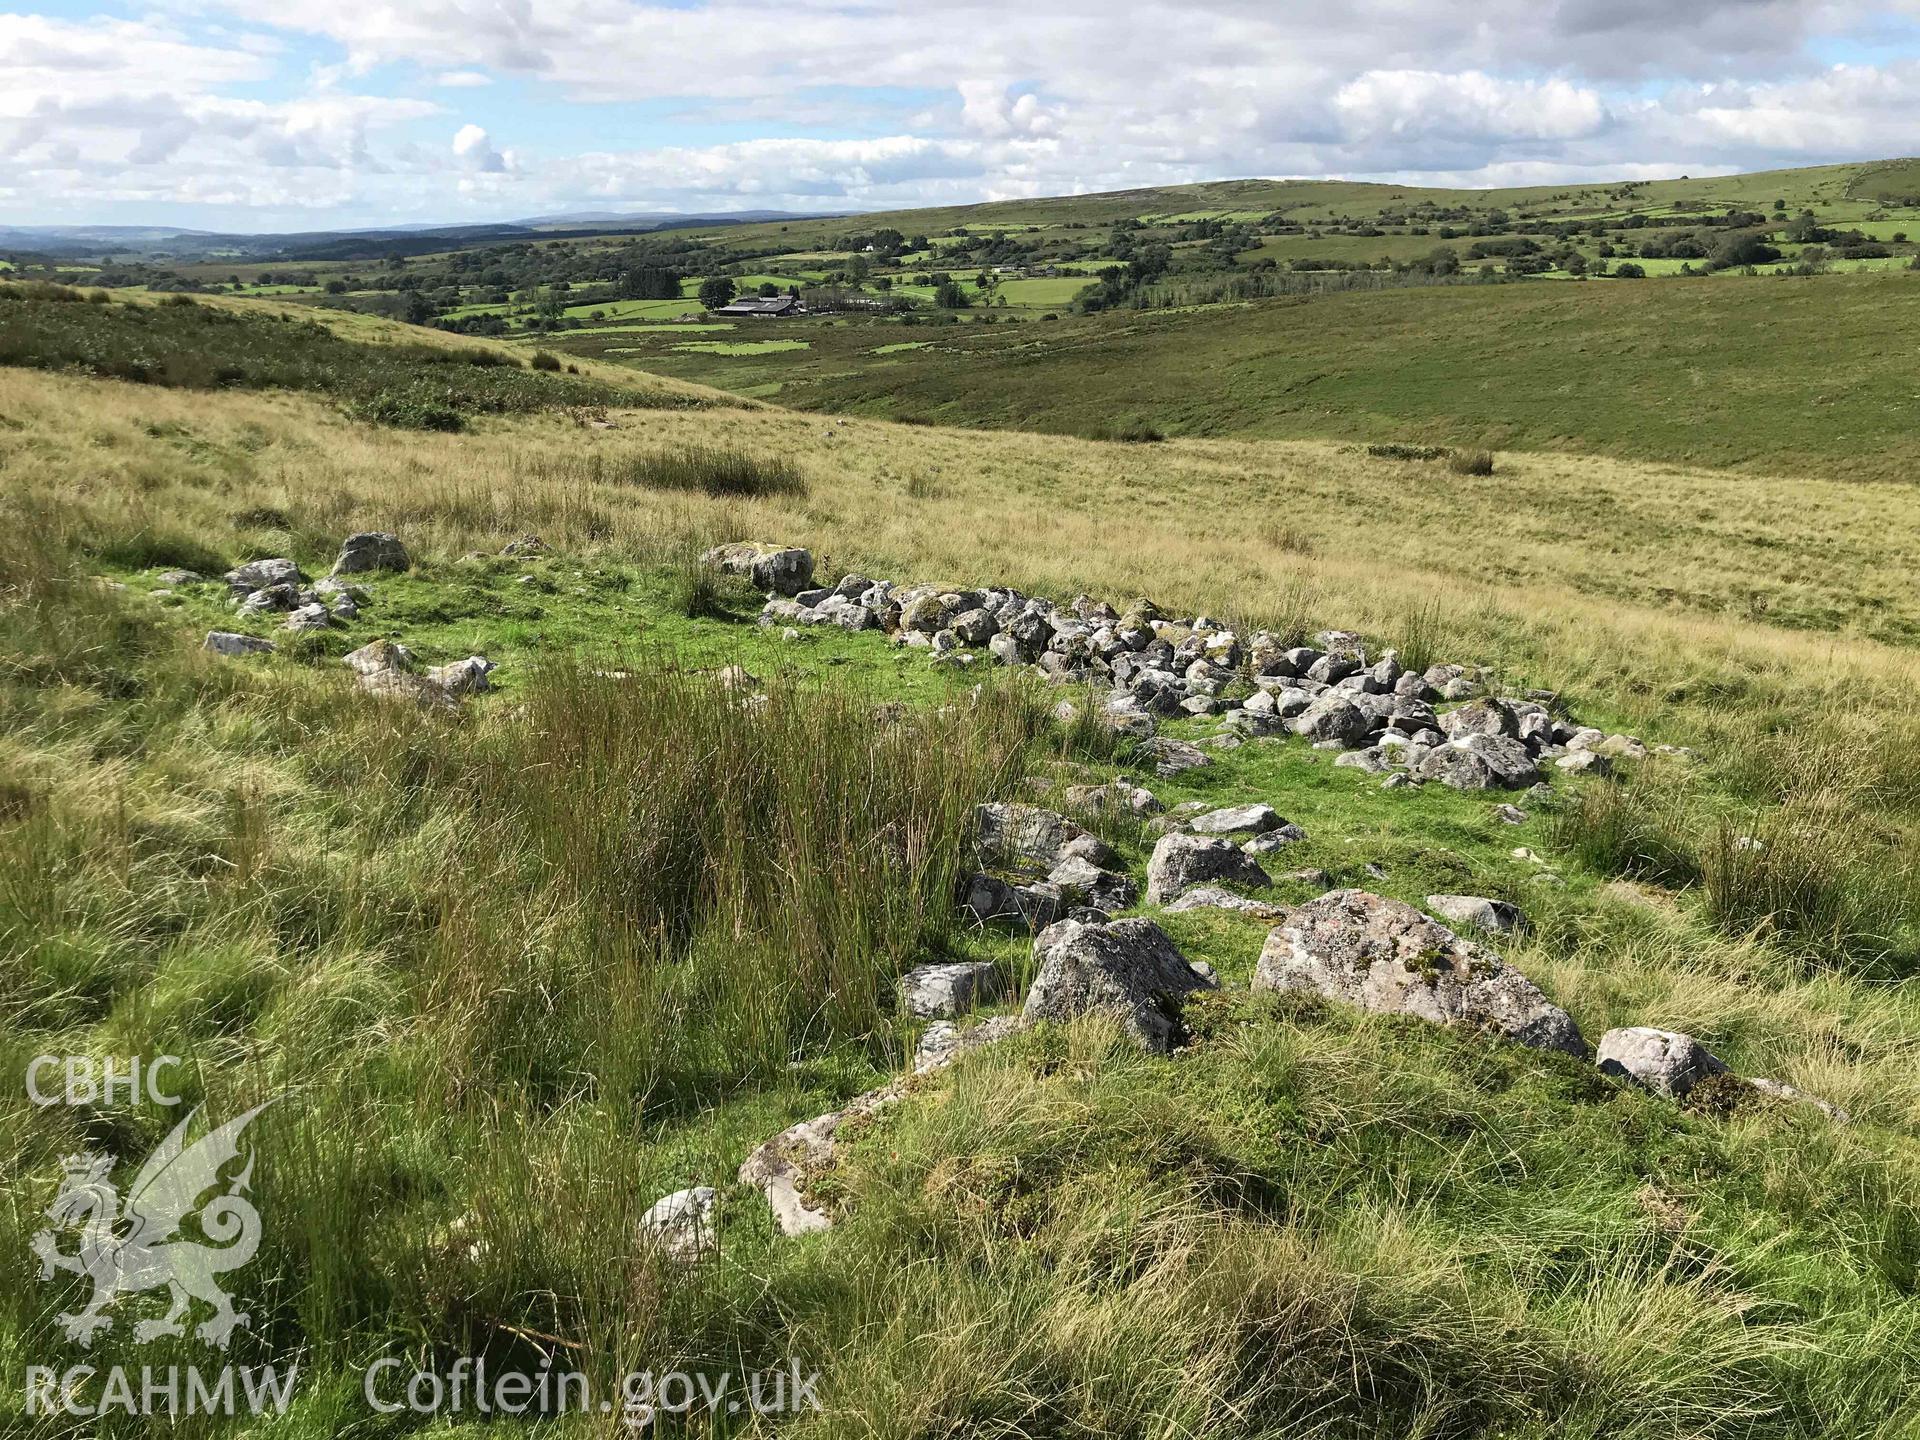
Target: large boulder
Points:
x,y
1181,861
1384,956
783,569
1479,762
1664,1061
1030,837
1129,969
1334,716
371,550
1482,717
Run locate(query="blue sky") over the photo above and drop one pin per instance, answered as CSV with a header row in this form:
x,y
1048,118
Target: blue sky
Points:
x,y
377,113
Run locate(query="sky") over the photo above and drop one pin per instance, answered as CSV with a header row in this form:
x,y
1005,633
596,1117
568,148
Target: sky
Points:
x,y
333,113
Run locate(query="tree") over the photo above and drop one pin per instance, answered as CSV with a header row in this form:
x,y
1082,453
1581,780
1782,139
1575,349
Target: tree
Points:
x,y
716,291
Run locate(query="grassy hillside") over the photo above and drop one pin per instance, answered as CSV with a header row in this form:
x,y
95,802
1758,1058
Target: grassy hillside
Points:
x,y
1775,377
516,971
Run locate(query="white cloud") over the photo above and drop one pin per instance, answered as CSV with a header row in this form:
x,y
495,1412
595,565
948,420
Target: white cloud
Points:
x,y
1469,106
890,104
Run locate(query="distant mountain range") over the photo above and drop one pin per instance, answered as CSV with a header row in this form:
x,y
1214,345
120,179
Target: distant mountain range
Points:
x,y
176,243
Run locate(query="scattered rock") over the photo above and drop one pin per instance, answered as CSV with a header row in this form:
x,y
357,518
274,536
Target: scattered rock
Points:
x,y
377,656
1252,819
225,642
989,898
371,550
938,992
1129,969
1664,1061
259,574
1115,798
1172,757
681,1225
1212,897
1384,956
1496,917
1180,861
1273,840
782,569
1788,1094
463,677
1510,814
1032,837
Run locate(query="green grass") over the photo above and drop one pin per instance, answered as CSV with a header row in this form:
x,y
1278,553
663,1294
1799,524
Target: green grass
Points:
x,y
1668,371
514,973
201,347
740,347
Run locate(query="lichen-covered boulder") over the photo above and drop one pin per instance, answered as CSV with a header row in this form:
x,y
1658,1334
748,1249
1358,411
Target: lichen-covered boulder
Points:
x,y
1129,969
1334,716
1479,762
783,569
371,550
1032,837
1182,861
941,991
1384,956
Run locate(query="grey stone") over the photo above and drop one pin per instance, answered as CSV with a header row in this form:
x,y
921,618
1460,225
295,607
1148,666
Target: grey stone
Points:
x,y
463,677
1212,897
1030,836
1333,717
990,898
1255,819
1080,881
1118,797
1172,757
1129,969
942,991
225,642
1267,844
1384,956
259,574
1664,1061
371,550
783,569
378,655
681,1226
1496,917
1181,861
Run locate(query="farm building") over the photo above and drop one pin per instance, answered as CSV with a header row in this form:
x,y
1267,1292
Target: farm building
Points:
x,y
754,305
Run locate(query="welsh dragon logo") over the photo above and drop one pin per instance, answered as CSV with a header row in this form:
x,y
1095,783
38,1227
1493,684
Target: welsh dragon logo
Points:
x,y
142,1245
